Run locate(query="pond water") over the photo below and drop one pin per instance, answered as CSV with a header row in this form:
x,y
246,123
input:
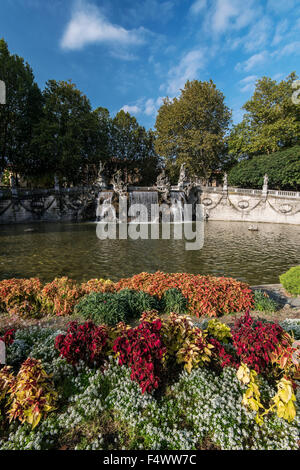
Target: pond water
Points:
x,y
65,249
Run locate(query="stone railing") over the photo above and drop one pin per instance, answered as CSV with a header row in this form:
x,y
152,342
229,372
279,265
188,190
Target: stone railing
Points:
x,y
273,192
19,205
251,205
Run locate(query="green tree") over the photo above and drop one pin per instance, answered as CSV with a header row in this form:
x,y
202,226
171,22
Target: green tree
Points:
x,y
191,129
20,114
132,148
67,137
271,121
283,169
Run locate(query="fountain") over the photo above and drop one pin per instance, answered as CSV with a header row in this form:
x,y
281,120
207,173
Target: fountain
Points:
x,y
103,201
146,198
177,203
171,201
101,181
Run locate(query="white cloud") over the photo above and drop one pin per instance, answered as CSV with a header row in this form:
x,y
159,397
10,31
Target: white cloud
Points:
x,y
134,109
289,49
149,10
151,106
258,35
198,6
248,83
280,31
232,14
280,6
252,62
88,25
123,54
187,69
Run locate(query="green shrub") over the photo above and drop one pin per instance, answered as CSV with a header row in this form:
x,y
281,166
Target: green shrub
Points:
x,y
139,301
111,308
103,307
263,303
291,280
283,169
174,301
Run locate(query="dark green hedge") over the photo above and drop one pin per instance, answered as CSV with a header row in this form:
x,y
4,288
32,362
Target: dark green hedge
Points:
x,y
283,169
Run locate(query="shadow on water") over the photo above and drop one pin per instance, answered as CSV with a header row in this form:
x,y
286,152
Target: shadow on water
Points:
x,y
230,249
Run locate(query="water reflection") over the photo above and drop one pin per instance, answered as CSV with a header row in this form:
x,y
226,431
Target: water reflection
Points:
x,y
230,249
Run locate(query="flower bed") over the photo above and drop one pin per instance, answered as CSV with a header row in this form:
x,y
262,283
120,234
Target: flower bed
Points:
x,y
206,295
202,295
164,384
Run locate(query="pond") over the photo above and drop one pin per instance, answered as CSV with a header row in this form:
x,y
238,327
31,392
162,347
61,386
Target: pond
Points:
x,y
67,249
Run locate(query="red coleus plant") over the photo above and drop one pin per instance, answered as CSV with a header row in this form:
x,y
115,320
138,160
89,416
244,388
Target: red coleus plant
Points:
x,y
60,296
220,356
21,297
8,337
142,349
254,341
206,295
87,342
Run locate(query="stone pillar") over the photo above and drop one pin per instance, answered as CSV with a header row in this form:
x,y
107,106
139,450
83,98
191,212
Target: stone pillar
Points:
x,y
265,187
56,183
13,187
2,92
225,184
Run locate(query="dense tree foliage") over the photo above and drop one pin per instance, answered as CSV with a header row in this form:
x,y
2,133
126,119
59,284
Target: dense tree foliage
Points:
x,y
191,129
57,132
132,148
22,111
66,136
283,169
271,121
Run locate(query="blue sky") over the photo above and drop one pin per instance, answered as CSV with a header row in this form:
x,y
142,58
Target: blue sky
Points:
x,y
130,54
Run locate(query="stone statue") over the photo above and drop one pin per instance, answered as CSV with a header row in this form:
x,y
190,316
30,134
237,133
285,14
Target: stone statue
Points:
x,y
225,183
13,186
2,92
101,178
56,183
164,187
118,184
12,181
183,176
265,187
162,180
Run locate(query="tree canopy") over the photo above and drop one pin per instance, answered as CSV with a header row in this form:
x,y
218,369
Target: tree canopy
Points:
x,y
57,132
283,169
132,147
65,138
20,114
271,121
191,129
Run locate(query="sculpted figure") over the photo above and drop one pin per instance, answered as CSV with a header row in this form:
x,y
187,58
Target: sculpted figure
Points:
x,y
101,179
163,187
183,176
118,184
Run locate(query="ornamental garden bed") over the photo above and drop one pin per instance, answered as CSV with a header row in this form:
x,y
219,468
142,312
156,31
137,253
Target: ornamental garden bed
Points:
x,y
136,365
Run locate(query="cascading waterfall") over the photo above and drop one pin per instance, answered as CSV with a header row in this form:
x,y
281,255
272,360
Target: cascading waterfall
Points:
x,y
104,199
177,201
146,198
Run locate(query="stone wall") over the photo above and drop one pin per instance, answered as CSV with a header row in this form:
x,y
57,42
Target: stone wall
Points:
x,y
65,205
251,205
79,204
